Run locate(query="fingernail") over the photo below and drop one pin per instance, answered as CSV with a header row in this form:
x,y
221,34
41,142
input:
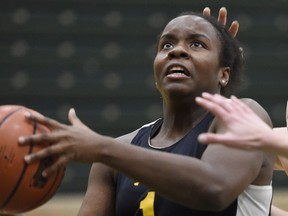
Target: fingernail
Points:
x,y
27,159
21,140
205,94
27,115
201,138
44,174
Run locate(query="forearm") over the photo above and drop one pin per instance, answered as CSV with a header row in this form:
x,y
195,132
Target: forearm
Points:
x,y
275,211
276,143
157,170
139,164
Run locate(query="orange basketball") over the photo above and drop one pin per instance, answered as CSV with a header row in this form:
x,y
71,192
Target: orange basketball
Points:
x,y
22,187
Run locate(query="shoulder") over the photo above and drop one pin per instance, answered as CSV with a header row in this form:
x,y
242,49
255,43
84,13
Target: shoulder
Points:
x,y
127,138
253,104
258,109
268,159
217,127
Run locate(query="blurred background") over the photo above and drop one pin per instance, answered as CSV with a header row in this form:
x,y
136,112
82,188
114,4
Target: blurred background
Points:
x,y
96,56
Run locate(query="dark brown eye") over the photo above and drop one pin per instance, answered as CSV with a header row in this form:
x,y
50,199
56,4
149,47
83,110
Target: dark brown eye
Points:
x,y
167,46
197,44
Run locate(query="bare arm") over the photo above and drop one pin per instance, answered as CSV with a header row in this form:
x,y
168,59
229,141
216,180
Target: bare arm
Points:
x,y
282,161
244,127
171,175
187,188
275,211
100,195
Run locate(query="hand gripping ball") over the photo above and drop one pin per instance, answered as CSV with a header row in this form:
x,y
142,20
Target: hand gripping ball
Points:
x,y
22,187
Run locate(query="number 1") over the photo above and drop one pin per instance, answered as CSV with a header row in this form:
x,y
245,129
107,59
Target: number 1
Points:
x,y
147,204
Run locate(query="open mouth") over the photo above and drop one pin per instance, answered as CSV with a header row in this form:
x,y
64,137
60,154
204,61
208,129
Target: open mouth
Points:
x,y
178,71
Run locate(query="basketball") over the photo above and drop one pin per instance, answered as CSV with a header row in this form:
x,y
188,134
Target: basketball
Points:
x,y
22,187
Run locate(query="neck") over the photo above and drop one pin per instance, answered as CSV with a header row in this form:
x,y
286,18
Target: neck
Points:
x,y
176,125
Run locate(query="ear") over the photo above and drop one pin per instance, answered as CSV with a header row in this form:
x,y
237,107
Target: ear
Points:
x,y
223,76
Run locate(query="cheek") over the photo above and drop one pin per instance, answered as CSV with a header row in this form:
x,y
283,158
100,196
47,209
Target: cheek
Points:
x,y
209,65
157,67
208,72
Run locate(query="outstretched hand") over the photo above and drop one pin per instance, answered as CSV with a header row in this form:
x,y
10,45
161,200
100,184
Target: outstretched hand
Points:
x,y
243,126
68,142
222,18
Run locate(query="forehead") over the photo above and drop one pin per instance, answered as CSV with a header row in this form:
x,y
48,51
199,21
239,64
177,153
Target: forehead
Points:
x,y
191,24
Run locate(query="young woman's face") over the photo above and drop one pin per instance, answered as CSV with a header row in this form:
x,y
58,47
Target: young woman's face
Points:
x,y
187,60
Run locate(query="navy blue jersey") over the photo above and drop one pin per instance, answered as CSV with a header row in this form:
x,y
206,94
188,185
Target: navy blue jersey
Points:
x,y
135,199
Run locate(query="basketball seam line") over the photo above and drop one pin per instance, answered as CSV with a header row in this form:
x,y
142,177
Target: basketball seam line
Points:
x,y
7,116
31,145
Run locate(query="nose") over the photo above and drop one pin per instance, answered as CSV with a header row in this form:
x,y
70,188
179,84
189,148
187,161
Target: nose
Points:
x,y
178,52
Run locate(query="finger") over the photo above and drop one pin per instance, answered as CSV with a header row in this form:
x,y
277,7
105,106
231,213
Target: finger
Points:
x,y
219,100
74,120
229,104
240,106
46,152
37,139
72,116
211,107
233,29
48,122
222,16
206,11
57,165
211,138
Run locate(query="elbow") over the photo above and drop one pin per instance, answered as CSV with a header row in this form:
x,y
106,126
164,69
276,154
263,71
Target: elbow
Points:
x,y
216,198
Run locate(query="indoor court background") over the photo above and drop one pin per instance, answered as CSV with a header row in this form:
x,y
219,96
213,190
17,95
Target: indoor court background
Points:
x,y
96,56
63,205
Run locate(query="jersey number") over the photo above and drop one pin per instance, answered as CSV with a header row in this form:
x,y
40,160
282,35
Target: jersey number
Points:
x,y
147,204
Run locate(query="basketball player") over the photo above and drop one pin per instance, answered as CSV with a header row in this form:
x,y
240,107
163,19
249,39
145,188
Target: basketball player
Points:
x,y
161,169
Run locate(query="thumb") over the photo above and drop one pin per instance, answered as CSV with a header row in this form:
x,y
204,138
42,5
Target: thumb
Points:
x,y
73,119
